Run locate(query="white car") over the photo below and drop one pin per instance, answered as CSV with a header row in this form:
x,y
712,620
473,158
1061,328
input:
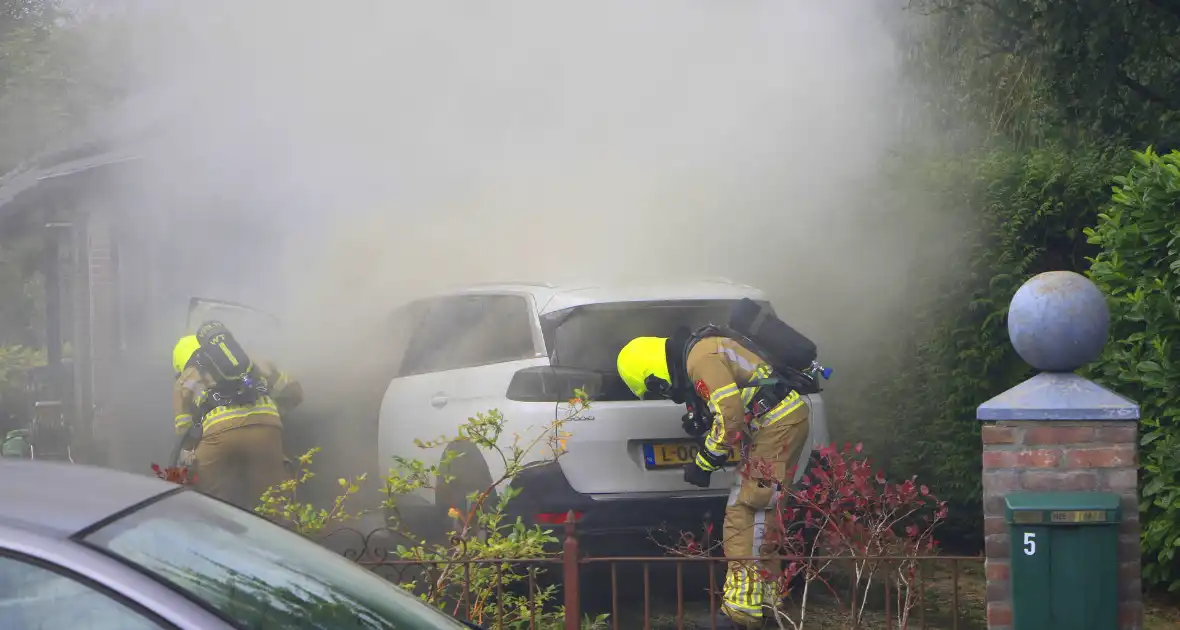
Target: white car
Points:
x,y
522,349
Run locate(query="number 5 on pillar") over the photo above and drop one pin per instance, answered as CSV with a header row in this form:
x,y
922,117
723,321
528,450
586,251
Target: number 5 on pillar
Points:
x,y
1030,543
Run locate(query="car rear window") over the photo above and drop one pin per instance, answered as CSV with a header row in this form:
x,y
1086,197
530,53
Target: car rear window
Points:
x,y
257,575
590,337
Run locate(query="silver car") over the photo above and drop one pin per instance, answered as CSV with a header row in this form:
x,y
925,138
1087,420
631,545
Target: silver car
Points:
x,y
95,549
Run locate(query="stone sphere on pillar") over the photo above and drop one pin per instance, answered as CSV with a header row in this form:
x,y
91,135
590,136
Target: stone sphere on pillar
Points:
x,y
1058,321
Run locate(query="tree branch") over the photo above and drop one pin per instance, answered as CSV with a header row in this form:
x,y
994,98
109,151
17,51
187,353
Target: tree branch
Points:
x,y
998,50
1145,92
1008,19
1171,6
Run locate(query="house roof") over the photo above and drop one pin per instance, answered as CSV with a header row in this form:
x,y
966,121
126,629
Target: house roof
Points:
x,y
19,182
101,146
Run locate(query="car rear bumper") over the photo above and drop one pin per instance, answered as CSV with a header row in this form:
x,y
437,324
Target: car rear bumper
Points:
x,y
546,494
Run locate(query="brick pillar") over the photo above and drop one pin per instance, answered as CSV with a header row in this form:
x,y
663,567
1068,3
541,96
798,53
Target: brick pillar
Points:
x,y
1059,433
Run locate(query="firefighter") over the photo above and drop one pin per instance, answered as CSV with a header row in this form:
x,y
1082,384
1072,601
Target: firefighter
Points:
x,y
236,418
749,404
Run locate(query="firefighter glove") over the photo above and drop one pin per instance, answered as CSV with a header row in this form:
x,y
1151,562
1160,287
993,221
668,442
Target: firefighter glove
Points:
x,y
694,425
710,462
696,476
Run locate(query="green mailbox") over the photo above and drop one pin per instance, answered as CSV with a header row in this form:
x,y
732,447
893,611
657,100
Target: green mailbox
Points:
x,y
1065,568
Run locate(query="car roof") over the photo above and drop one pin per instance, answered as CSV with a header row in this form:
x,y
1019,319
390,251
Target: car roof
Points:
x,y
60,499
550,298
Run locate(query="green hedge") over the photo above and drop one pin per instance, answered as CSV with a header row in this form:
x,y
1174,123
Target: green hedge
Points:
x,y
1028,210
1047,209
1139,268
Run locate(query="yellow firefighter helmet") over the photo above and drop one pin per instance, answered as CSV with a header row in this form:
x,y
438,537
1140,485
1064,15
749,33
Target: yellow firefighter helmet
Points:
x,y
641,359
183,352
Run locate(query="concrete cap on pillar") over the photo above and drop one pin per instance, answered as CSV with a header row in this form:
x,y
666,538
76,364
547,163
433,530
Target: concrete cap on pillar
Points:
x,y
1058,321
1058,396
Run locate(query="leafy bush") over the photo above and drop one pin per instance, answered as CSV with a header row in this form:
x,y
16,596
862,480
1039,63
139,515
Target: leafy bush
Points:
x,y
16,361
481,532
1138,267
15,364
458,566
282,505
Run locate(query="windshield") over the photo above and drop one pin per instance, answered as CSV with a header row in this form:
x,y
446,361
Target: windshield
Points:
x,y
258,575
590,337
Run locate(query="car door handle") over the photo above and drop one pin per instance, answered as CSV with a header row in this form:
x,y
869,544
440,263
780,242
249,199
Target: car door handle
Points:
x,y
438,401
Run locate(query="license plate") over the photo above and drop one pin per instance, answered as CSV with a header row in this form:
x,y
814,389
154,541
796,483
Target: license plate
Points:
x,y
669,454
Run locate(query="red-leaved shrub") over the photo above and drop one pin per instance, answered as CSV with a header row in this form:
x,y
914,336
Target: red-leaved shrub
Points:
x,y
844,515
844,520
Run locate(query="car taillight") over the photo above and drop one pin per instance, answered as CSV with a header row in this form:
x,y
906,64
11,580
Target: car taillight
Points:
x,y
558,518
545,383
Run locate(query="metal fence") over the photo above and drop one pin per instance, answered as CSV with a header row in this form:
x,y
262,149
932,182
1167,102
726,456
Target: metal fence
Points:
x,y
944,592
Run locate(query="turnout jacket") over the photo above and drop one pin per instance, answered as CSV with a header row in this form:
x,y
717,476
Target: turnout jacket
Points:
x,y
726,375
192,387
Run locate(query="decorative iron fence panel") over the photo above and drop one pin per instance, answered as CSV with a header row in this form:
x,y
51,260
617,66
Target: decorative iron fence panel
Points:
x,y
684,592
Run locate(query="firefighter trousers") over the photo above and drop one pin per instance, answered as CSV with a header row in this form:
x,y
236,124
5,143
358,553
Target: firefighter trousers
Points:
x,y
772,451
238,465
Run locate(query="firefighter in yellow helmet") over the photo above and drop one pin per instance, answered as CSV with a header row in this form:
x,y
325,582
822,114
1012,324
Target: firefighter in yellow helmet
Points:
x,y
750,405
232,404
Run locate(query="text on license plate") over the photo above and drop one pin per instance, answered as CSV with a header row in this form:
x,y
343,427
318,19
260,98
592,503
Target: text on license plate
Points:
x,y
664,454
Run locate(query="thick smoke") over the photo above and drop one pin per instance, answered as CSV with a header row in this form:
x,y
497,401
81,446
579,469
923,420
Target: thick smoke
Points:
x,y
392,147
342,158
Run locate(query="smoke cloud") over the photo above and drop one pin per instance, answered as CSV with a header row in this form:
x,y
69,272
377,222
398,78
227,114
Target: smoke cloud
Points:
x,y
330,163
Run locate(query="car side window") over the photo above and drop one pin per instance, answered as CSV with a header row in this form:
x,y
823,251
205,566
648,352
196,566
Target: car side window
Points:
x,y
431,349
396,346
503,331
32,596
465,331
